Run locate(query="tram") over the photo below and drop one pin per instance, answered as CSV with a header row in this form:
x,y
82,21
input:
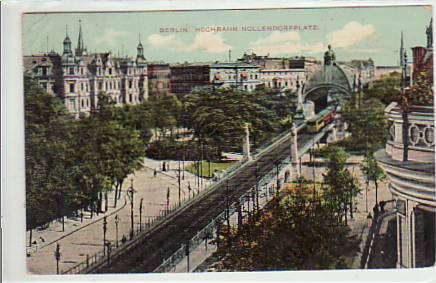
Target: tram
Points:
x,y
321,119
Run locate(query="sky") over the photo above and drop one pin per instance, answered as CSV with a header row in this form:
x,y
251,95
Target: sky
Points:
x,y
354,33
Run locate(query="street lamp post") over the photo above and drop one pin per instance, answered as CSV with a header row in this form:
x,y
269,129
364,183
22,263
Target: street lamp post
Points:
x,y
131,193
257,187
116,230
57,255
140,214
104,234
109,251
168,198
179,183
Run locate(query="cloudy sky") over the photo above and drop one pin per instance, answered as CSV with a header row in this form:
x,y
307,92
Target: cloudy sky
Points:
x,y
354,33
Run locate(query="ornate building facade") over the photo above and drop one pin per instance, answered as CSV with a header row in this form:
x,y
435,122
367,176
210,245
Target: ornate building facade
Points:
x,y
78,77
409,161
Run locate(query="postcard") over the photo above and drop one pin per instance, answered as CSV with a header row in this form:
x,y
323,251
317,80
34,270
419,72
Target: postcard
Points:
x,y
229,140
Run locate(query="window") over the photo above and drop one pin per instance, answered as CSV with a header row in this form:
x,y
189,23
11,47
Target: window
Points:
x,y
81,86
81,71
86,87
83,103
100,86
130,97
130,84
71,70
106,85
71,88
44,71
110,71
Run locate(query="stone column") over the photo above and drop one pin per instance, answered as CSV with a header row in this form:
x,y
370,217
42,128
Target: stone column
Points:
x,y
295,169
300,107
246,144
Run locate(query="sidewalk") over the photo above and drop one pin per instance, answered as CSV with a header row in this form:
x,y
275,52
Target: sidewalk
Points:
x,y
86,238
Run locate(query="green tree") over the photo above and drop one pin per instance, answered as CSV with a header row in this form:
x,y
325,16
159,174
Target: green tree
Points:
x,y
385,88
48,135
341,185
367,124
297,230
373,172
218,117
164,112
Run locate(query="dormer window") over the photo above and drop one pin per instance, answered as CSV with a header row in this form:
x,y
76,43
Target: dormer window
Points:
x,y
110,71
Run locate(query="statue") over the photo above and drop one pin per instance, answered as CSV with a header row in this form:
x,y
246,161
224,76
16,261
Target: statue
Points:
x,y
329,56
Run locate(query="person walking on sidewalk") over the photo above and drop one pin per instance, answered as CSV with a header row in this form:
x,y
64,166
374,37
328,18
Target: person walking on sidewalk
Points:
x,y
369,218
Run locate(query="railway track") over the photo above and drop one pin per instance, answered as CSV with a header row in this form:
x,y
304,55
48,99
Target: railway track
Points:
x,y
160,243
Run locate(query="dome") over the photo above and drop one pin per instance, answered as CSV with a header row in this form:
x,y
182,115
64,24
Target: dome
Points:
x,y
67,40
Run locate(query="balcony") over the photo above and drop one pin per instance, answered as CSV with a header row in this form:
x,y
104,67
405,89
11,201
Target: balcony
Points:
x,y
412,179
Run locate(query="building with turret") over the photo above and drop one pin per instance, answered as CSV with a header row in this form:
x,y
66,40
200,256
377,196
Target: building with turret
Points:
x,y
409,161
77,77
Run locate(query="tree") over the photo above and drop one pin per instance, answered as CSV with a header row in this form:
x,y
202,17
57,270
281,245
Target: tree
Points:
x,y
164,111
385,88
367,124
297,230
373,172
218,117
48,135
342,186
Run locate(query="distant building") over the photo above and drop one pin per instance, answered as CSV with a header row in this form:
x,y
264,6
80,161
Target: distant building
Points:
x,y
159,79
189,76
235,74
282,73
383,71
78,77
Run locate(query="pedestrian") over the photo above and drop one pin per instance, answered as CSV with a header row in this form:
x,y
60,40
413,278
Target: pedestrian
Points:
x,y
155,172
375,210
369,218
164,167
382,206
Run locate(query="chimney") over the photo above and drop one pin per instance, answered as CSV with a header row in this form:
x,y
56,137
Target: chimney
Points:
x,y
418,57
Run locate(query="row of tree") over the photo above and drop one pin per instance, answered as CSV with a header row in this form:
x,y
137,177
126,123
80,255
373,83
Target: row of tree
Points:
x,y
71,164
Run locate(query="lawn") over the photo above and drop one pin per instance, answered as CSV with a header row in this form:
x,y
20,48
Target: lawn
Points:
x,y
204,168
